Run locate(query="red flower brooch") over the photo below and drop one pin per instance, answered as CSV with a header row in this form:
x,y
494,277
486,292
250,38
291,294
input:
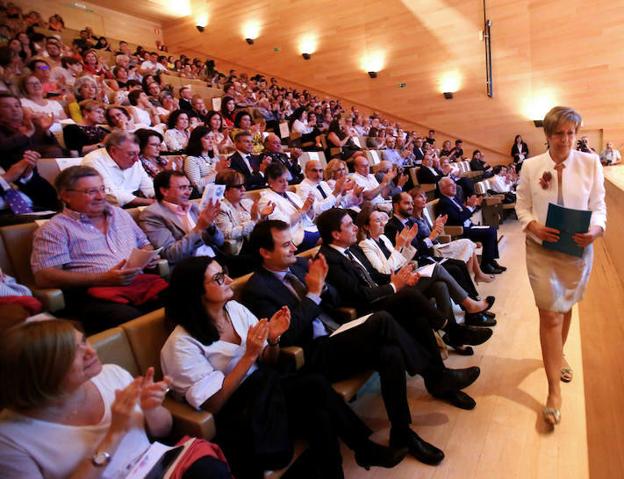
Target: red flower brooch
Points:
x,y
545,180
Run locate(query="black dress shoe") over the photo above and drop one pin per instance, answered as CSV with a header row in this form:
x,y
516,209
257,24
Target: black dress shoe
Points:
x,y
451,380
489,269
373,454
417,447
496,265
460,349
479,320
469,335
459,399
490,314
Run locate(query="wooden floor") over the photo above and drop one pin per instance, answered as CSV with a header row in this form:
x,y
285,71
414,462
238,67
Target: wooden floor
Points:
x,y
504,437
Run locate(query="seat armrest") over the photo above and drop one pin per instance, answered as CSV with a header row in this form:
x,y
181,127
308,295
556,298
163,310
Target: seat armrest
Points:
x,y
443,239
346,314
453,230
493,200
188,421
52,298
293,355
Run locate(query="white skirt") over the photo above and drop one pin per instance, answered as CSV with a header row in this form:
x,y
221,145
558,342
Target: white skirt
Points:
x,y
558,280
462,249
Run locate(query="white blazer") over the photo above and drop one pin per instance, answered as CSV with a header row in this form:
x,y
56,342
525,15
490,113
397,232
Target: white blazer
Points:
x,y
583,188
384,265
284,211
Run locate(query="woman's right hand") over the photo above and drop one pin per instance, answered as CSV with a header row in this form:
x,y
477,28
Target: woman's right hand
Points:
x,y
543,232
256,338
123,415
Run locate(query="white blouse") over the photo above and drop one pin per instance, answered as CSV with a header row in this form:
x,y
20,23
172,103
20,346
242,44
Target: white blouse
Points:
x,y
378,260
583,188
34,448
235,223
176,140
198,370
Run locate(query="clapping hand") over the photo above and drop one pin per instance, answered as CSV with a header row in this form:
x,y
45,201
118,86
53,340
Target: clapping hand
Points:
x,y
402,180
123,416
406,236
153,393
208,215
317,272
256,337
307,204
403,277
279,323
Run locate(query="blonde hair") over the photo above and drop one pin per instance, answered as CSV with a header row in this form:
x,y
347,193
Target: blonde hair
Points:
x,y
328,174
558,115
34,360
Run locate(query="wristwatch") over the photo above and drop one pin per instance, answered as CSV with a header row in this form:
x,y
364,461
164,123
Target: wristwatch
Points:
x,y
274,343
100,459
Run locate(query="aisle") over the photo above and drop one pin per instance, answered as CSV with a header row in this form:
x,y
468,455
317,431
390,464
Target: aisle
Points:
x,y
504,437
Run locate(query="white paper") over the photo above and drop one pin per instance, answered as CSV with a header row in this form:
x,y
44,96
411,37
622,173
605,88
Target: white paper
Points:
x,y
350,324
374,156
283,129
148,460
140,258
426,271
356,140
64,163
313,155
212,193
216,103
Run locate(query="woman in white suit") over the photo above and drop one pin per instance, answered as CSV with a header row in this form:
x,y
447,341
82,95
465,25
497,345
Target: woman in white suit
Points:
x,y
575,180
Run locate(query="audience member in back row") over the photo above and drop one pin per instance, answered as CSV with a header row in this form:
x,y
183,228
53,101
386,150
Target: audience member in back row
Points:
x,y
297,212
20,132
124,176
203,161
175,224
85,247
87,136
66,415
273,149
324,196
216,356
336,170
252,167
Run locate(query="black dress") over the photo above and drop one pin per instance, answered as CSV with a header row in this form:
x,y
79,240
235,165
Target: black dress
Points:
x,y
78,136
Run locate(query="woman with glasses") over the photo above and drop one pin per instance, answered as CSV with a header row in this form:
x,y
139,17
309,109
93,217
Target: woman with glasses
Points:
x,y
336,169
150,142
216,358
35,101
87,136
203,161
238,215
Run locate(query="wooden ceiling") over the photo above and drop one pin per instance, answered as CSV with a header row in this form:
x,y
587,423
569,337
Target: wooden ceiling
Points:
x,y
565,51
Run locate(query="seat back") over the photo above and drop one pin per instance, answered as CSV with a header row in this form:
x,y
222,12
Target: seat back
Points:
x,y
18,244
5,262
432,207
49,168
113,347
237,285
373,156
147,335
312,155
481,188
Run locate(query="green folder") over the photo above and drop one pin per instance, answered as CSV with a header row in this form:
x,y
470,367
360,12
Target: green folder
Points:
x,y
569,222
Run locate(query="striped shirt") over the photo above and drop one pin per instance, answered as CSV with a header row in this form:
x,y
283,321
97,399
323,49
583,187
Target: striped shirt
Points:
x,y
70,241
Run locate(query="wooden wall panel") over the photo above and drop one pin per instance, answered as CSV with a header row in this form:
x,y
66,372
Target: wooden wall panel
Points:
x,y
568,48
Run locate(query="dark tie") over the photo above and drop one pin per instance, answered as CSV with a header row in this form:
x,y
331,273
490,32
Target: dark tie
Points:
x,y
320,188
285,195
361,270
16,202
384,249
296,284
248,164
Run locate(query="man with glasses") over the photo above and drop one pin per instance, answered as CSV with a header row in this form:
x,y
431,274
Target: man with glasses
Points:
x,y
118,163
325,197
178,226
273,149
87,246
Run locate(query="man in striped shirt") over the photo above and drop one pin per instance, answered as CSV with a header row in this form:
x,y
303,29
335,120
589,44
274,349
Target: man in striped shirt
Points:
x,y
87,245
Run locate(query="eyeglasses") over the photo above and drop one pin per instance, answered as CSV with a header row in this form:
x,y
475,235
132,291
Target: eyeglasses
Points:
x,y
92,192
317,170
43,67
219,278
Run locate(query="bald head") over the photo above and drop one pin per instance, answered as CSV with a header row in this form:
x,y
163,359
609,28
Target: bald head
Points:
x,y
314,171
360,165
272,143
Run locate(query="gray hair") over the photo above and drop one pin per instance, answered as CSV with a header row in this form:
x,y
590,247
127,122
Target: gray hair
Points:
x,y
558,115
445,180
68,178
82,81
118,137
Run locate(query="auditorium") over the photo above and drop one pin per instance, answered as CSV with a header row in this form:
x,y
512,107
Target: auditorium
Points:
x,y
311,239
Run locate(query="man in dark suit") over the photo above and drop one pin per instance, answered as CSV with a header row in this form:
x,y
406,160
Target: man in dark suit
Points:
x,y
273,149
427,174
459,215
419,153
424,242
251,166
380,343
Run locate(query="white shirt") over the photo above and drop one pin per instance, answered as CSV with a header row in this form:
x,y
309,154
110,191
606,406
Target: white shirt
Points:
x,y
33,448
176,140
369,182
121,182
384,265
198,370
320,204
583,188
285,209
